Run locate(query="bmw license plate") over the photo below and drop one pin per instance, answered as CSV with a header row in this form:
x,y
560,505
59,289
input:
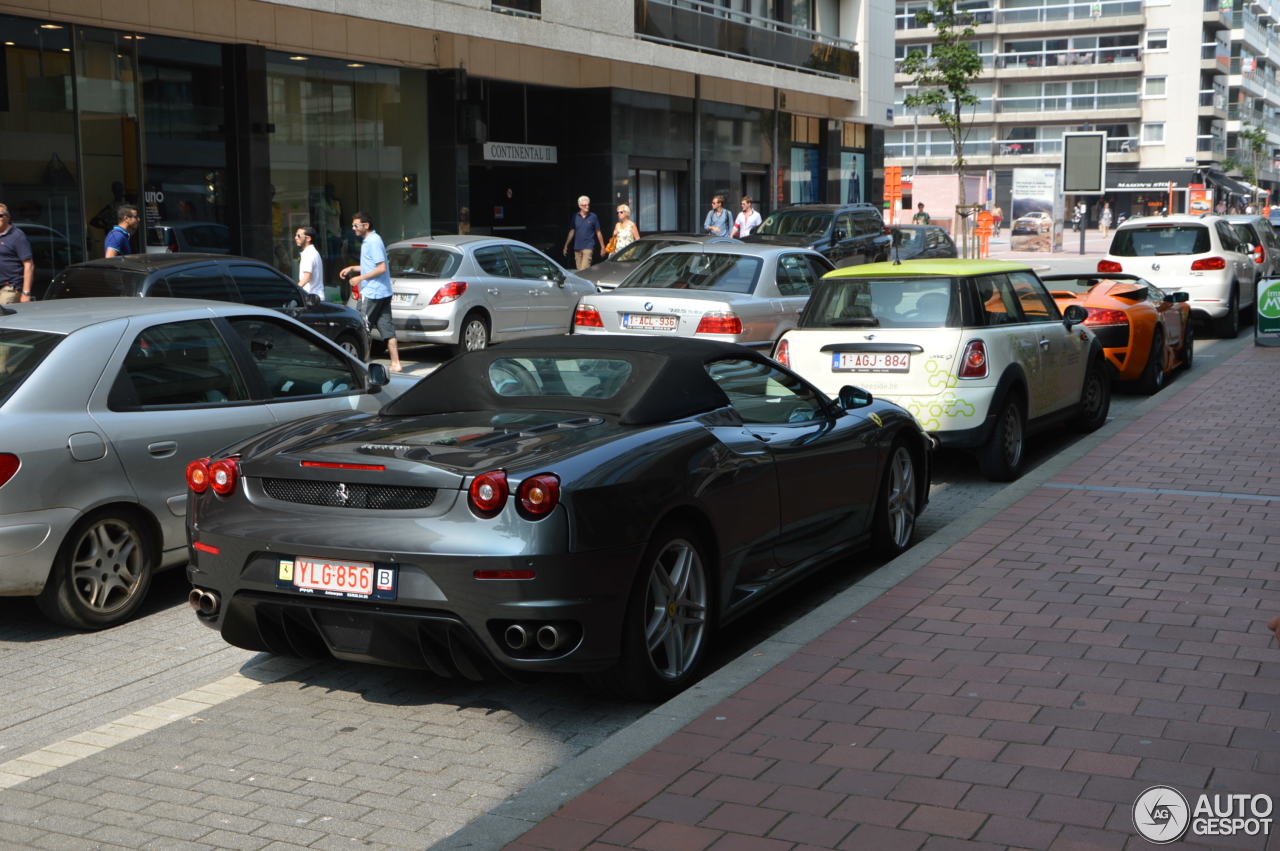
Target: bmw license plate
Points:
x,y
649,322
870,362
401,299
359,580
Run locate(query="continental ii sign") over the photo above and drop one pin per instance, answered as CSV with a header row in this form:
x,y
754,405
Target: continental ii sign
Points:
x,y
516,153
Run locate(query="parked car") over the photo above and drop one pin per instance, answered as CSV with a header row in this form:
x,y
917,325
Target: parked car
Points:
x,y
1033,223
469,291
212,276
846,234
108,399
922,242
596,505
52,251
975,349
1201,255
1262,241
1145,332
607,274
174,237
739,293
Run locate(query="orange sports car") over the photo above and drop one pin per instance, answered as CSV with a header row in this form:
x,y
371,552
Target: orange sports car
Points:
x,y
1145,332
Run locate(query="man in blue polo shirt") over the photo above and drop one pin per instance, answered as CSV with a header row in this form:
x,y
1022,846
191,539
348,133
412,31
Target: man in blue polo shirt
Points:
x,y
119,238
374,280
581,229
16,265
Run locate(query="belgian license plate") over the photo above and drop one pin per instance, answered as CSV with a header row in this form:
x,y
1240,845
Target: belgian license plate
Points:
x,y
650,323
870,362
359,580
401,299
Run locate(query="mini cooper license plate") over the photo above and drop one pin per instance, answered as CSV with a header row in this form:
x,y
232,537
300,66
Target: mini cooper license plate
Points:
x,y
870,362
650,323
360,580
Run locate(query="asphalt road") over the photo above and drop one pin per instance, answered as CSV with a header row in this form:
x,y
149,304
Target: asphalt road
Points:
x,y
156,734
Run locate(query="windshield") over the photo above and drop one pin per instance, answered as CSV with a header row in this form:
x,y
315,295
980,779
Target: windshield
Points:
x,y
1161,240
591,378
422,261
637,251
689,270
20,353
92,281
880,303
811,223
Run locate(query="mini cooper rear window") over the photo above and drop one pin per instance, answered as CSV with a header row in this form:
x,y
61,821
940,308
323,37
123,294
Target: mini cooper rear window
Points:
x,y
687,270
1161,240
582,378
880,303
423,261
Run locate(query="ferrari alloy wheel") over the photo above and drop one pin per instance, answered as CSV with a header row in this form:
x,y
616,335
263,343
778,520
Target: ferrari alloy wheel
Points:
x,y
100,574
895,518
1188,352
1095,398
1152,378
1001,459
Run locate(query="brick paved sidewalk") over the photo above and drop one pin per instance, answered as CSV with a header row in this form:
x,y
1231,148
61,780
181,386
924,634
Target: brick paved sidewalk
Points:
x,y
1103,635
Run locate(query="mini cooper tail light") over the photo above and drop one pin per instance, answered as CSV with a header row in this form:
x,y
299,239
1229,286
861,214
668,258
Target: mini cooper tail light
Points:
x,y
451,291
587,317
488,493
719,323
1102,316
539,494
1109,267
783,353
9,464
198,475
1259,255
974,362
1209,264
223,475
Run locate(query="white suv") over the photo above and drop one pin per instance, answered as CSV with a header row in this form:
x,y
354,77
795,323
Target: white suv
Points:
x,y
1202,255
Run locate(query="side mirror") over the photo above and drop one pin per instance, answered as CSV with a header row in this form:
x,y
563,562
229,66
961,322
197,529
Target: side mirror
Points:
x,y
378,377
310,299
1179,297
555,278
1074,315
854,397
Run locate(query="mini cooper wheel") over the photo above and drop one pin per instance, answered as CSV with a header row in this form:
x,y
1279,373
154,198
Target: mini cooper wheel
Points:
x,y
1228,327
1152,378
1187,353
896,509
1001,459
1095,398
474,335
101,573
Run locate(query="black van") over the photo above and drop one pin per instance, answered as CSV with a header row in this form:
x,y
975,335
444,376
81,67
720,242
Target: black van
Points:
x,y
847,234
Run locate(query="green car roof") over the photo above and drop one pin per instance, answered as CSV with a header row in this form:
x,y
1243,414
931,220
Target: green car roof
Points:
x,y
948,267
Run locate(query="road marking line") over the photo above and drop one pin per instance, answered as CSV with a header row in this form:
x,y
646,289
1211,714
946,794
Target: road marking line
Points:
x,y
1210,494
90,742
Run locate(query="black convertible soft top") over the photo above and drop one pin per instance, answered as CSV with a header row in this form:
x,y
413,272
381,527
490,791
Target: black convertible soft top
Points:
x,y
668,379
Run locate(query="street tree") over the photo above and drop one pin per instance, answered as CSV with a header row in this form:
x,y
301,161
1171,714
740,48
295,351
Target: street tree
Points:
x,y
1251,142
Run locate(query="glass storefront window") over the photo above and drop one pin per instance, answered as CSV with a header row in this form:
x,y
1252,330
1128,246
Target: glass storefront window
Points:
x,y
804,175
852,177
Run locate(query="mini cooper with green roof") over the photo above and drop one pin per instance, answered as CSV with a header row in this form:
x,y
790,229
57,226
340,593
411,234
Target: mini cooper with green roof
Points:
x,y
977,350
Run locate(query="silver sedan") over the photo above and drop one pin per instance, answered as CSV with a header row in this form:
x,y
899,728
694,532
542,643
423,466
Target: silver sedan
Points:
x,y
107,400
740,293
607,274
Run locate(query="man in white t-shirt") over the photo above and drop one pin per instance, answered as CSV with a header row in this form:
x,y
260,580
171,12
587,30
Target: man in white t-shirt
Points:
x,y
310,267
747,221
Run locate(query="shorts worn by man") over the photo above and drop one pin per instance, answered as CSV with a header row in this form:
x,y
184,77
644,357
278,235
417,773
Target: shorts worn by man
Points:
x,y
374,279
584,227
17,268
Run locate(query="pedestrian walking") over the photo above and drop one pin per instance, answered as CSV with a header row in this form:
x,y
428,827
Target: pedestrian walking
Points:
x,y
17,268
374,280
999,217
582,228
747,220
921,217
310,266
718,220
119,239
625,231
1104,218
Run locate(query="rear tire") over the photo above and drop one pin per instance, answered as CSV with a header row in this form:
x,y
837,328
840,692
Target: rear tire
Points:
x,y
101,573
1187,353
1001,459
1095,398
474,334
1152,378
896,509
1228,327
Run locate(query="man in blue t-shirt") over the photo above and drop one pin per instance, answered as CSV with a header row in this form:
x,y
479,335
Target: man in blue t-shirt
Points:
x,y
16,264
374,280
120,238
582,227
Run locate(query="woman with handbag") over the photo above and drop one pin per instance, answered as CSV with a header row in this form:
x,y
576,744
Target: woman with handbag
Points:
x,y
625,232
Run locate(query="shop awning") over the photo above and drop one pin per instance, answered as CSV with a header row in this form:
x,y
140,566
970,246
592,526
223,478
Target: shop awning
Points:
x,y
1229,184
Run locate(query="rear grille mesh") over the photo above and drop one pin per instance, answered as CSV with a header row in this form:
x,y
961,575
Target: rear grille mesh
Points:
x,y
349,494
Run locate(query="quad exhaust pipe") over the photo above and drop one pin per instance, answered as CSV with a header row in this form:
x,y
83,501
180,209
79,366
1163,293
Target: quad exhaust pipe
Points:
x,y
517,637
203,602
548,637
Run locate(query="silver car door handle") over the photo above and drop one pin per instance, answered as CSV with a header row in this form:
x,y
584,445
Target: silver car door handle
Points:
x,y
162,449
1044,344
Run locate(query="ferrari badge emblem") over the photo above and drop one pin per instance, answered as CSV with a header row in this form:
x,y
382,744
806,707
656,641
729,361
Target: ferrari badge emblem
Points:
x,y
875,418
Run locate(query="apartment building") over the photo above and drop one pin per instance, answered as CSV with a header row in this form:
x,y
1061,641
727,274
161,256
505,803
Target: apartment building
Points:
x,y
241,120
1171,82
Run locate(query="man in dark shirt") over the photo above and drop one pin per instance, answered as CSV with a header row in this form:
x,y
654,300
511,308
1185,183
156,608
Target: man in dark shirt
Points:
x,y
581,228
119,238
17,268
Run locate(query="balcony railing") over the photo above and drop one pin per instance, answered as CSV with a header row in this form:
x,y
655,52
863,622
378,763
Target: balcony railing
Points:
x,y
709,28
1215,145
999,148
1067,103
1068,58
524,8
1036,14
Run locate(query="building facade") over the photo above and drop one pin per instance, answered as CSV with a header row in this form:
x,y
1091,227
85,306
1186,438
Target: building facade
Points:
x,y
235,121
1171,82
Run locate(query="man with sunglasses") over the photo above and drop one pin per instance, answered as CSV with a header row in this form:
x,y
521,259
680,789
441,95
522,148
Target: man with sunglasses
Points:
x,y
17,268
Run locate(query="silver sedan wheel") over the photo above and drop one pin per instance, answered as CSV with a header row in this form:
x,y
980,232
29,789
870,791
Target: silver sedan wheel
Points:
x,y
675,609
107,566
475,335
902,497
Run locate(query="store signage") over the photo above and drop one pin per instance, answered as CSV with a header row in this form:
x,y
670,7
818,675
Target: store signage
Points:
x,y
1266,332
517,153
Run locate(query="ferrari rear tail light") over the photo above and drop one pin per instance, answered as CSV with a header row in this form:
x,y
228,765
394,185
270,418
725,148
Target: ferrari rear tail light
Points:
x,y
9,464
451,291
719,323
488,493
783,353
587,317
223,475
974,362
539,494
1259,255
1103,316
1208,264
198,475
1109,267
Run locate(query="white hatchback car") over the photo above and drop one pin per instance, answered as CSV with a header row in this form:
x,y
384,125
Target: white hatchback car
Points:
x,y
976,349
1202,255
